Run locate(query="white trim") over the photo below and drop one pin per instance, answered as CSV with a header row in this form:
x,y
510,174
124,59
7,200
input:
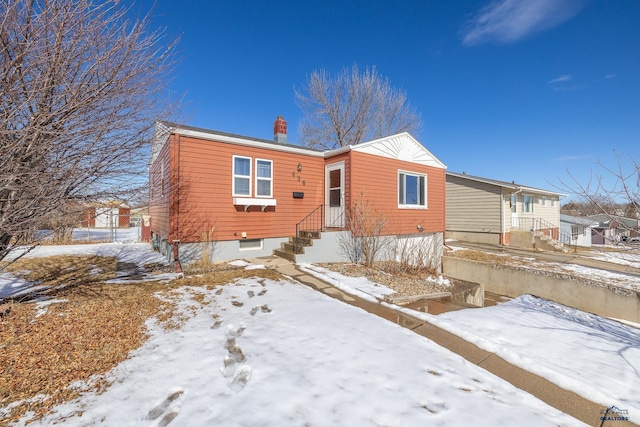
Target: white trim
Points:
x,y
253,201
270,179
334,215
401,146
425,192
233,175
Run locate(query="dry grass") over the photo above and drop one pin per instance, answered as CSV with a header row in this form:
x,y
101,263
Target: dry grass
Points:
x,y
86,336
480,256
405,283
63,271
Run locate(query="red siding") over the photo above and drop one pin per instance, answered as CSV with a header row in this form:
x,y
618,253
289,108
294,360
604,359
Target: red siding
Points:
x,y
203,191
124,217
376,179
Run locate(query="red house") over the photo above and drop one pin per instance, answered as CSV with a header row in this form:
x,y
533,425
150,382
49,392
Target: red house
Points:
x,y
251,197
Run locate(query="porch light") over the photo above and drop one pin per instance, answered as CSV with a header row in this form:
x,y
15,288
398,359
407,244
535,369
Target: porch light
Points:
x,y
419,227
299,167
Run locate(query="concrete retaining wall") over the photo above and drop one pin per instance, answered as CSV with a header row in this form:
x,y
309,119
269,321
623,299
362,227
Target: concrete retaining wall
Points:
x,y
588,295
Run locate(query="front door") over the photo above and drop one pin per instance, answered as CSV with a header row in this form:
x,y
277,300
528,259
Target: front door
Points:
x,y
334,195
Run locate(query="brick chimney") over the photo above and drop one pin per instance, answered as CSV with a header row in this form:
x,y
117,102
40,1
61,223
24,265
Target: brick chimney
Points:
x,y
280,130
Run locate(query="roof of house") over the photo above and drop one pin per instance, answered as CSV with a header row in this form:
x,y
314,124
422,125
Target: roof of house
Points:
x,y
578,220
400,146
504,184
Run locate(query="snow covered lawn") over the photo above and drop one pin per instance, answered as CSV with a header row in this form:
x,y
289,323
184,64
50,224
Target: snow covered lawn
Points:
x,y
594,357
260,352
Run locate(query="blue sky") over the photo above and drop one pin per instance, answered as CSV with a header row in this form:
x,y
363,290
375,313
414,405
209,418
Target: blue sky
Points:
x,y
507,89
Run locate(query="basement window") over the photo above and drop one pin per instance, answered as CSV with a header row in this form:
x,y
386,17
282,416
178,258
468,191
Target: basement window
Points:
x,y
251,244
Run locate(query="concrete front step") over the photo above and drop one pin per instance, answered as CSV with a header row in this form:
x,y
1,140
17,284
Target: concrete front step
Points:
x,y
291,247
288,249
283,253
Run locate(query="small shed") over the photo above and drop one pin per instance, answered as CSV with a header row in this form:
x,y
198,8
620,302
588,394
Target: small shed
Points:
x,y
113,214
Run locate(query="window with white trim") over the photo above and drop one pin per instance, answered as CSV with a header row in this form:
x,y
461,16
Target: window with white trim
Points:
x,y
543,200
527,203
264,178
553,201
412,190
241,176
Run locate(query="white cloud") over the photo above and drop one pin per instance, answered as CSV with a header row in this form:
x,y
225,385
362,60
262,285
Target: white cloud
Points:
x,y
507,21
563,78
610,76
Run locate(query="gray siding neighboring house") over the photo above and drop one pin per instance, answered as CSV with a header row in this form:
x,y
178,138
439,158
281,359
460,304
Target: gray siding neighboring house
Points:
x,y
485,210
578,228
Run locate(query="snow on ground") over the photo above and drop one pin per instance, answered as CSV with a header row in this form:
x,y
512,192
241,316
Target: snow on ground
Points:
x,y
122,235
359,286
11,286
267,353
138,253
625,255
594,357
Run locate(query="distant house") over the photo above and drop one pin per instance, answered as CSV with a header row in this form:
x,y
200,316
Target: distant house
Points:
x,y
579,228
254,197
111,214
613,229
485,210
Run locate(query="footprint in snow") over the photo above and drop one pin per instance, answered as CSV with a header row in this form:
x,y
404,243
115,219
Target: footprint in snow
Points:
x,y
251,294
241,378
216,324
161,409
264,308
262,292
237,303
170,416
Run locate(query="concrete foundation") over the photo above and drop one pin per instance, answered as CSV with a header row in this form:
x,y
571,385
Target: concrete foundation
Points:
x,y
584,294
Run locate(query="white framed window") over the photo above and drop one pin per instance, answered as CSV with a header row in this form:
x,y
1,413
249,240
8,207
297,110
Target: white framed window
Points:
x,y
543,200
412,190
553,201
514,203
241,176
527,203
251,244
264,178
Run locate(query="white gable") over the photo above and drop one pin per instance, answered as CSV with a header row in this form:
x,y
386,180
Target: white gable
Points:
x,y
401,146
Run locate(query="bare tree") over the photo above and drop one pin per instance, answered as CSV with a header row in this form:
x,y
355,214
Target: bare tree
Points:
x,y
612,194
366,238
352,107
80,86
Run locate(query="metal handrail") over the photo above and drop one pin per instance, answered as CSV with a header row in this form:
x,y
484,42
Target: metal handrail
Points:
x,y
537,224
313,222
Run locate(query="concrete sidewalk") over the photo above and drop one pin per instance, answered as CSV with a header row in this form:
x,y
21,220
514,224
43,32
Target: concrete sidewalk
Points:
x,y
564,400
